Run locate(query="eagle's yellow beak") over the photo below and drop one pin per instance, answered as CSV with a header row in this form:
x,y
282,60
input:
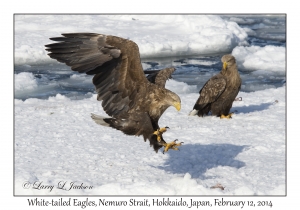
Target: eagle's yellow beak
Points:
x,y
224,65
177,105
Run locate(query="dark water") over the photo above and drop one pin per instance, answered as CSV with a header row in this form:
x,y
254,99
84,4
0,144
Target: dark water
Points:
x,y
194,70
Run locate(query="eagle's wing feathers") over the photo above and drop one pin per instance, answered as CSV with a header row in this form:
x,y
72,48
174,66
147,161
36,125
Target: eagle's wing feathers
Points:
x,y
213,88
159,77
82,52
119,77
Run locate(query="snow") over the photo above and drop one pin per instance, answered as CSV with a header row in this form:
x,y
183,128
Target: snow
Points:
x,y
56,140
156,35
268,58
25,81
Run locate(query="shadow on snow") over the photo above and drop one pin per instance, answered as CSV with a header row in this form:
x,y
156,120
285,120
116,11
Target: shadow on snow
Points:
x,y
252,108
196,159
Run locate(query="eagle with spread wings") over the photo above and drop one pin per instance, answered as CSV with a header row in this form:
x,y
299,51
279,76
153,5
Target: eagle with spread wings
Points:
x,y
219,92
133,102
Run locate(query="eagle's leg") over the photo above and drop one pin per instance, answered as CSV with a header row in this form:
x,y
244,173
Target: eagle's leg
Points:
x,y
226,116
172,145
159,132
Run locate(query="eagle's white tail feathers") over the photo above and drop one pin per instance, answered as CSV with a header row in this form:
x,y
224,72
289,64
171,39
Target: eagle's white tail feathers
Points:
x,y
194,112
99,120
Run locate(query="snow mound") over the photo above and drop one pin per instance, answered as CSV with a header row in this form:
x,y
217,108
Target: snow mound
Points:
x,y
25,81
268,58
156,35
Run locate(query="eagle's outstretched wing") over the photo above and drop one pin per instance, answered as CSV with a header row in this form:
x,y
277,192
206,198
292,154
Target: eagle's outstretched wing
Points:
x,y
159,77
119,77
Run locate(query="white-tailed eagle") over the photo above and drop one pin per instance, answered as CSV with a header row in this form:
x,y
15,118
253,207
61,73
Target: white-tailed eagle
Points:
x,y
134,103
219,92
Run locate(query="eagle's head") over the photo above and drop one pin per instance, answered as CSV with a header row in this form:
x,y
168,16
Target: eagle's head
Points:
x,y
227,60
173,99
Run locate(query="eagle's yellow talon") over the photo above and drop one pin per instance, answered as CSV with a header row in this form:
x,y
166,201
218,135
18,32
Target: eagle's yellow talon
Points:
x,y
172,145
226,116
162,130
159,132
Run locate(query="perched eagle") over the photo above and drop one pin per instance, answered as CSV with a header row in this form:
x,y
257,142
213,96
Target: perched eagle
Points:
x,y
219,92
134,103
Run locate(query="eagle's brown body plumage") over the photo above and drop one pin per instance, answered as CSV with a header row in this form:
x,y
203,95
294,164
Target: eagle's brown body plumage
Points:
x,y
134,104
219,92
